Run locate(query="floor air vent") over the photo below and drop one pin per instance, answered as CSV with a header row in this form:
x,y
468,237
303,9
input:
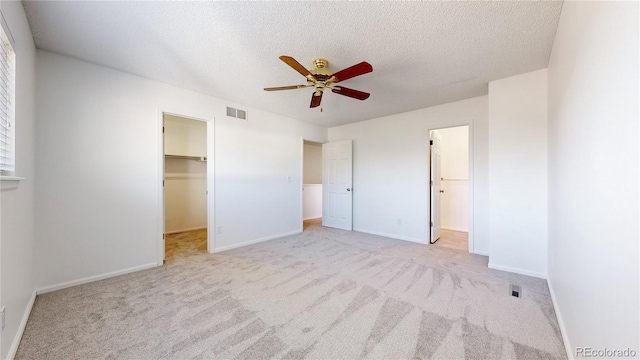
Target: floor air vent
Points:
x,y
516,291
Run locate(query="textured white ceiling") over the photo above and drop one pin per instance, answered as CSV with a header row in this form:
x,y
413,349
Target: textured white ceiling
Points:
x,y
423,53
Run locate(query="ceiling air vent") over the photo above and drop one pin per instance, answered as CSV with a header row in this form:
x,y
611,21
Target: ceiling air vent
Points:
x,y
236,113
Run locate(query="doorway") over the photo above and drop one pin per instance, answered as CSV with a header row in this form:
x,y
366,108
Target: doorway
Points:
x,y
185,186
311,183
449,180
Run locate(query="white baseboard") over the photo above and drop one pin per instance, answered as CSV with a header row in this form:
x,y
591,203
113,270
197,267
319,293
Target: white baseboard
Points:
x,y
517,270
183,230
46,289
563,329
251,242
479,252
454,229
23,324
313,218
392,236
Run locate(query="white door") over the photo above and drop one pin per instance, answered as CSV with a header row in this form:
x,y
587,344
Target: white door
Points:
x,y
436,188
337,181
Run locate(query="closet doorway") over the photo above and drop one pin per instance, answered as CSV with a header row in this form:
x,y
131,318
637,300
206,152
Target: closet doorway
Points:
x,y
311,183
450,187
185,187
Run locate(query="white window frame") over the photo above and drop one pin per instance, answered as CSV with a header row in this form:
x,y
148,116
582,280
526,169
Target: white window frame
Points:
x,y
7,109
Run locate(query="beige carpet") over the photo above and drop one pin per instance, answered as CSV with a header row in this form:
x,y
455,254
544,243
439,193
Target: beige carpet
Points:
x,y
322,294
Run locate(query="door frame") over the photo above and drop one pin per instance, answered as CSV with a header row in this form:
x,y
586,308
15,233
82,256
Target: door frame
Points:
x,y
302,140
432,192
210,121
452,124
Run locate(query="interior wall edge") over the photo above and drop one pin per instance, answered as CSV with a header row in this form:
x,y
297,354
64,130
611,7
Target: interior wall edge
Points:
x,y
254,241
18,204
23,324
68,284
478,252
563,329
515,270
391,236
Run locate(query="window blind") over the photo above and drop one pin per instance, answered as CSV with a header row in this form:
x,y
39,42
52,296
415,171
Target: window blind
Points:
x,y
7,95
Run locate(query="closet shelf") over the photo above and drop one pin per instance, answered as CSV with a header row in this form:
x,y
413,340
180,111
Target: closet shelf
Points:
x,y
185,157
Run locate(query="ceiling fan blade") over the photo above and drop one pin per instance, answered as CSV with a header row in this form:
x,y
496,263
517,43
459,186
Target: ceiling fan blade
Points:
x,y
353,71
286,87
356,94
296,66
315,100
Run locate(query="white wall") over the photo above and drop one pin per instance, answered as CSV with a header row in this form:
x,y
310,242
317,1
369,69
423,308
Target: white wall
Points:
x,y
184,137
98,155
185,194
312,163
312,200
17,217
518,173
312,190
455,173
390,169
593,174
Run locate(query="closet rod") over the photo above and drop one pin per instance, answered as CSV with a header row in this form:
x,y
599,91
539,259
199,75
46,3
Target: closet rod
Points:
x,y
199,158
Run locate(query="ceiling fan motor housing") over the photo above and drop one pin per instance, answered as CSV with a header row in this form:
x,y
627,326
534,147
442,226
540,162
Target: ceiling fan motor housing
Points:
x,y
320,70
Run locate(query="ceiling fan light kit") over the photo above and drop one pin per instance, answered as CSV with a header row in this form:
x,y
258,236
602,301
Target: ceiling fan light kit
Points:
x,y
321,78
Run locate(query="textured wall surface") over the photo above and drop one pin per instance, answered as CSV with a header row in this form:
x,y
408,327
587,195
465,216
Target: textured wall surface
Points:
x,y
17,230
593,174
99,211
518,173
391,170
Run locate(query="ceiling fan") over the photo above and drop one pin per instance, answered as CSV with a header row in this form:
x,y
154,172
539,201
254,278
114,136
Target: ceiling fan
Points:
x,y
321,78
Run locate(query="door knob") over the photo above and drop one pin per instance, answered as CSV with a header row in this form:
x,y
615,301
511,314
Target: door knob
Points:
x,y
442,191
348,189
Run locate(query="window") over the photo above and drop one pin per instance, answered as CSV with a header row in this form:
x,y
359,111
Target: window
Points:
x,y
7,105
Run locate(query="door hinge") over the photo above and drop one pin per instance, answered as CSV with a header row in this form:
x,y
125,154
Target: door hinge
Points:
x,y
163,129
162,236
431,182
431,223
162,183
430,141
